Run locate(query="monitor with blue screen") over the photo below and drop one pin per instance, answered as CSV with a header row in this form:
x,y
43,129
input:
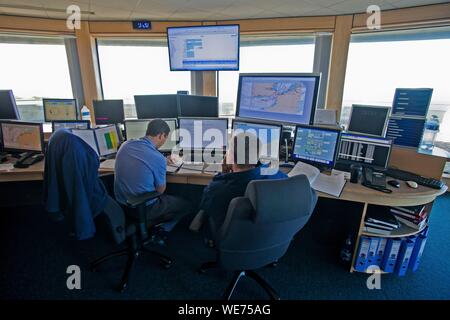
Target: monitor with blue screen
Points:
x,y
285,98
316,145
268,134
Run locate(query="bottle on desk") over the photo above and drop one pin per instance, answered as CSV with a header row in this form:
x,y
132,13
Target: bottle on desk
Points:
x,y
430,133
85,113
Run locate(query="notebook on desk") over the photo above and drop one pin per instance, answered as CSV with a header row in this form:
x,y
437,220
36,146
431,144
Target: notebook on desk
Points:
x,y
330,184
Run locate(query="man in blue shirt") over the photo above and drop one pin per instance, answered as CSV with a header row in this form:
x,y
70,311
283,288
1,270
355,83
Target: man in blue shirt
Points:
x,y
233,181
141,168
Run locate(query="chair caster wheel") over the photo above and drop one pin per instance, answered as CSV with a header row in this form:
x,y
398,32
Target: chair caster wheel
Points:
x,y
167,265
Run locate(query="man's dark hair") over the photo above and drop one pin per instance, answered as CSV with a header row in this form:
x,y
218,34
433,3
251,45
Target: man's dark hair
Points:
x,y
156,127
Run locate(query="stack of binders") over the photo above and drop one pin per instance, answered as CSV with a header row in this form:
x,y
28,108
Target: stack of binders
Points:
x,y
380,221
391,255
414,217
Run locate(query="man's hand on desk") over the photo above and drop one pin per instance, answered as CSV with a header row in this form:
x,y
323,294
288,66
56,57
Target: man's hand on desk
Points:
x,y
174,160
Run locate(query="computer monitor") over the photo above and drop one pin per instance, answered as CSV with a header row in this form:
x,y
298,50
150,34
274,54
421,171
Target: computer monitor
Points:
x,y
198,106
22,136
203,133
60,109
136,129
365,150
79,124
268,134
108,140
88,136
316,145
203,48
108,111
369,120
286,98
156,106
8,107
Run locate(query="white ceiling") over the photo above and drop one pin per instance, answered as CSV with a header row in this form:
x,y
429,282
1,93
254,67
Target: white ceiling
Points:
x,y
197,9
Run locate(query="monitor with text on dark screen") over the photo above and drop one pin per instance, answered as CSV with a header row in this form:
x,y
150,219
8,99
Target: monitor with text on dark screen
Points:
x,y
371,120
316,145
108,111
203,48
8,107
198,106
156,106
286,98
365,150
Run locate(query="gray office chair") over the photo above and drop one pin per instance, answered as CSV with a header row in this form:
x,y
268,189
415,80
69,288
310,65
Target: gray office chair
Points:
x,y
259,227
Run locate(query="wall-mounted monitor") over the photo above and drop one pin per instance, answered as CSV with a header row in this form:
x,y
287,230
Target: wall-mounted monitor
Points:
x,y
201,48
285,98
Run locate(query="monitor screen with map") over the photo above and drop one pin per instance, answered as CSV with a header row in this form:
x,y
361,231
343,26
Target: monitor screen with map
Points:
x,y
286,98
22,136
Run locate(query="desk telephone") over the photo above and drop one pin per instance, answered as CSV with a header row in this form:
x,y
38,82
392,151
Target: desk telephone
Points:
x,y
374,180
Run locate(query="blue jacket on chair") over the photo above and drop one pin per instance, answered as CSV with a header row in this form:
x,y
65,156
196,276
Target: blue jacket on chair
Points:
x,y
71,184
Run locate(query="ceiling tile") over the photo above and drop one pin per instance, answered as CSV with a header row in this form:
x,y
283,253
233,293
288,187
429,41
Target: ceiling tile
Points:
x,y
120,4
297,8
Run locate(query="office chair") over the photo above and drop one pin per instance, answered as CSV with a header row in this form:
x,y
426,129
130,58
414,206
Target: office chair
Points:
x,y
259,227
72,187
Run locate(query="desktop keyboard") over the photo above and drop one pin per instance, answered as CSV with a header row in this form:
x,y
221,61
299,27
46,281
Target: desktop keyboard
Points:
x,y
409,176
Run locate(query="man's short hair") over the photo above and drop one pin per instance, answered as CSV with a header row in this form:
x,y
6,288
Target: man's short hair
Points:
x,y
246,149
156,127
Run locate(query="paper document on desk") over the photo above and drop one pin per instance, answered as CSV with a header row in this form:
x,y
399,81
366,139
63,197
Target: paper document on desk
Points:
x,y
6,166
213,168
332,185
191,168
108,164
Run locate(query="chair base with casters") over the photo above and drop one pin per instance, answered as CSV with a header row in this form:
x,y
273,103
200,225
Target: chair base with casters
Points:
x,y
137,239
238,275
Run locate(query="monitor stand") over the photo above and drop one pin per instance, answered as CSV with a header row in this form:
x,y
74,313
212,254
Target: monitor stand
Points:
x,y
28,159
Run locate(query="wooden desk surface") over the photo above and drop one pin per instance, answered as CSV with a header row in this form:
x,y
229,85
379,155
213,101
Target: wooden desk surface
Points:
x,y
404,196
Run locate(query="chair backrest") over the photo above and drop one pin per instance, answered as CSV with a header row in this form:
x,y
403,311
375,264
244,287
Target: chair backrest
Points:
x,y
72,185
259,227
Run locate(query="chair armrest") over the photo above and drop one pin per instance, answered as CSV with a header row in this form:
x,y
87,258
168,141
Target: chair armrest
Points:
x,y
134,202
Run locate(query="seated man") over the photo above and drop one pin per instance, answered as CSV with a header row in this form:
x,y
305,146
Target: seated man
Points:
x,y
141,168
233,181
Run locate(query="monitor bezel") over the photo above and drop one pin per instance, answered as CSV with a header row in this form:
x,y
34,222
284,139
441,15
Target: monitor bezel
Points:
x,y
280,126
317,77
204,118
14,104
94,102
146,95
386,120
60,99
208,27
182,96
323,128
350,162
37,124
71,121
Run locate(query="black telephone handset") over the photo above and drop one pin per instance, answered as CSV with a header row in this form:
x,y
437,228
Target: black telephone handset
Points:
x,y
375,180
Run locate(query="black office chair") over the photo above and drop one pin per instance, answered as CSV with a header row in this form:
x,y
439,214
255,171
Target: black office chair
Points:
x,y
259,227
72,187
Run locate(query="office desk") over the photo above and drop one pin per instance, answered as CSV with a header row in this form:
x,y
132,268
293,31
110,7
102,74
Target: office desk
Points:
x,y
404,196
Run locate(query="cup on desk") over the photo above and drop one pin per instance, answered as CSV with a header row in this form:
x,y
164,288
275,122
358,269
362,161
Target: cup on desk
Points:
x,y
355,173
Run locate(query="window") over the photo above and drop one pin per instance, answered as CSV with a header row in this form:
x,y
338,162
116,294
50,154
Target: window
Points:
x,y
265,55
133,67
381,62
34,68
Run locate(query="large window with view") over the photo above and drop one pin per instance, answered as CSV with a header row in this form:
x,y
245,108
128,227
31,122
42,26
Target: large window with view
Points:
x,y
34,68
137,67
265,55
381,62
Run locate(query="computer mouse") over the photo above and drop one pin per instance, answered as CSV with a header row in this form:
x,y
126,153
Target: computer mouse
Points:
x,y
412,184
394,183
